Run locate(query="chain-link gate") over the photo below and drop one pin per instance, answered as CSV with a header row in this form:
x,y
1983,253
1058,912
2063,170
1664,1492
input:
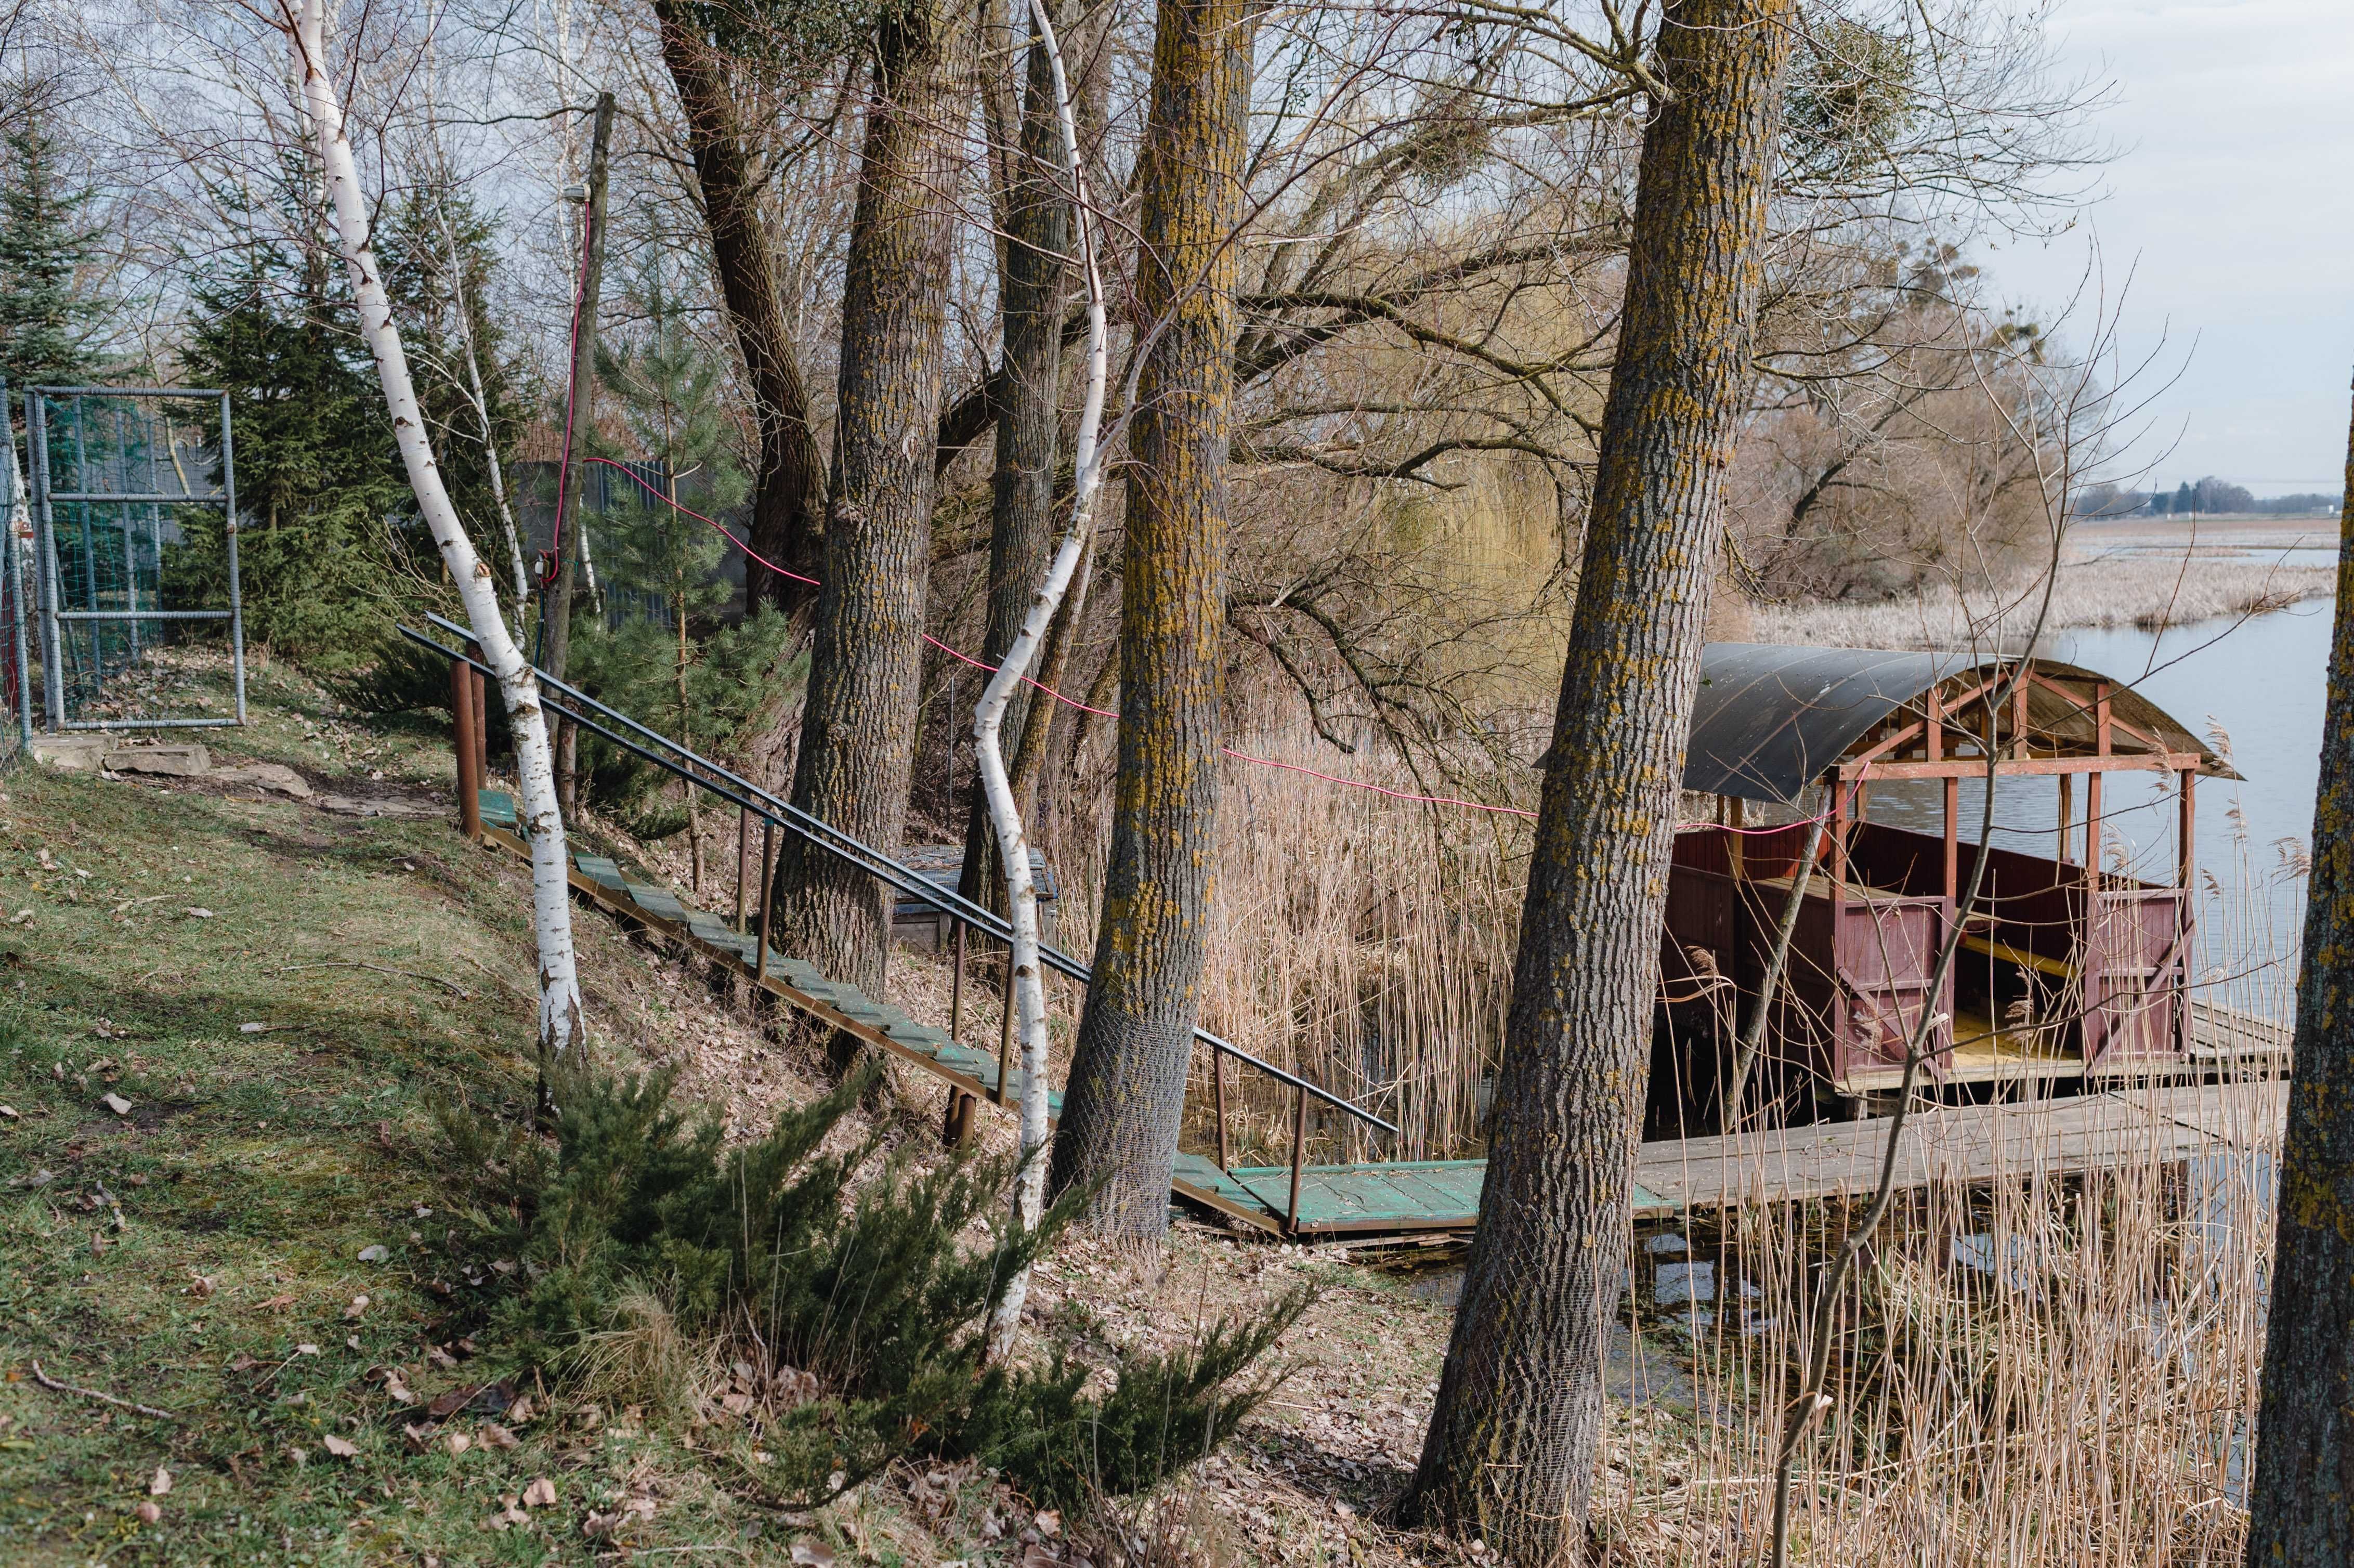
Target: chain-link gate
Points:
x,y
133,526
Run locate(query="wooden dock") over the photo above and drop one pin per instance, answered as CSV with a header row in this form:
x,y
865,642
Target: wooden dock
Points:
x,y
2123,1126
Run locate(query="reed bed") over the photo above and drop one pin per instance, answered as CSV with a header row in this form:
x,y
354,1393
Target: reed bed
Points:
x,y
2149,591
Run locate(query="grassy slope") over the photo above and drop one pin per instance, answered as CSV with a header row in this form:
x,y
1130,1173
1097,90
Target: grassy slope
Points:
x,y
253,1169
262,1162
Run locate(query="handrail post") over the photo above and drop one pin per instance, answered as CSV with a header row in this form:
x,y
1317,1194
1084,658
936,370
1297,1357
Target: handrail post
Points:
x,y
1218,1081
1298,1153
743,857
956,985
768,881
1005,1027
463,743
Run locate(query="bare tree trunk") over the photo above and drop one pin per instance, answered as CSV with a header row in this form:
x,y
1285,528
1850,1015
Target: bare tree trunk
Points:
x,y
788,492
1509,1453
1028,385
2301,1510
559,985
579,413
1127,1088
858,726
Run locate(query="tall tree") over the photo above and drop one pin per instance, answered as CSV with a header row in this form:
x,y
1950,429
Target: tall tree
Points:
x,y
1509,1453
858,724
1027,389
48,318
702,46
2301,1510
1127,1087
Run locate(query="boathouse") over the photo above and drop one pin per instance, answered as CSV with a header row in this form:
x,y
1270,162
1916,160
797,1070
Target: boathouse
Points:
x,y
2065,970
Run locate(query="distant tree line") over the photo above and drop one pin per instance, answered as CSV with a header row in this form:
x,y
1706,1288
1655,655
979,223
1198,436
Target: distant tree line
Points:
x,y
2205,497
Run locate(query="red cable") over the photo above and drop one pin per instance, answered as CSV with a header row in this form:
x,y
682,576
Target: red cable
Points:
x,y
1103,713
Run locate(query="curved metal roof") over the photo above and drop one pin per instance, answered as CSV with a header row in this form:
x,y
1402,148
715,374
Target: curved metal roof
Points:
x,y
1770,720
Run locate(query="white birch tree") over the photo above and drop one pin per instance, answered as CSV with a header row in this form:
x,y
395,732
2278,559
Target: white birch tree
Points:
x,y
1029,998
559,987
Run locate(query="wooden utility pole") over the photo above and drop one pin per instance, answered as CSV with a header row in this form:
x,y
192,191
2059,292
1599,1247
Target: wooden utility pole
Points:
x,y
2301,1510
1126,1087
1511,1452
556,655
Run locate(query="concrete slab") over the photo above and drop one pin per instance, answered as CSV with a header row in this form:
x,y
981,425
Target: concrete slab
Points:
x,y
72,753
184,760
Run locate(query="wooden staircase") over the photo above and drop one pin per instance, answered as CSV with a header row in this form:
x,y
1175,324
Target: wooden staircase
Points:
x,y
1332,1200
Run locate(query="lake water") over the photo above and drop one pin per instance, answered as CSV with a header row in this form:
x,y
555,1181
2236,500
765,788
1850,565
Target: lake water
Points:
x,y
2262,683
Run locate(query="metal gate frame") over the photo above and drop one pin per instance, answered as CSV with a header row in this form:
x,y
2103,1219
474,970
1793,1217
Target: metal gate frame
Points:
x,y
49,589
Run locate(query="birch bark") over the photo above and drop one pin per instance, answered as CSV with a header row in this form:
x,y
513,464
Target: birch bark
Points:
x,y
559,985
989,718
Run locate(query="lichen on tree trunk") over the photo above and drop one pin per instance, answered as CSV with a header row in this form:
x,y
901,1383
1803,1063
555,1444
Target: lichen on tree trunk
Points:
x,y
2301,1508
1127,1085
1511,1451
865,665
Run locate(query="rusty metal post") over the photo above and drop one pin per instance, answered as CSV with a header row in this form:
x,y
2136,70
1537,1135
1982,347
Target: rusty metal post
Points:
x,y
481,721
464,742
767,878
1218,1079
956,1126
1298,1153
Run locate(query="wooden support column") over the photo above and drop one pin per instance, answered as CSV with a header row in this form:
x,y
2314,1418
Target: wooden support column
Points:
x,y
2186,867
2067,818
743,861
1932,749
1837,844
1299,1155
768,886
1218,1081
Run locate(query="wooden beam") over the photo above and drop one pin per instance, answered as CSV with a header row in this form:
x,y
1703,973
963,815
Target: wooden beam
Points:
x,y
2031,767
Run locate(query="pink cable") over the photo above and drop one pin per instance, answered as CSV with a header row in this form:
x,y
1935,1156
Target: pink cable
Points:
x,y
1105,713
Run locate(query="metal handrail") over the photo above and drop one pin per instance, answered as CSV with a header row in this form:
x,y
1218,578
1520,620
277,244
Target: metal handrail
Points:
x,y
850,850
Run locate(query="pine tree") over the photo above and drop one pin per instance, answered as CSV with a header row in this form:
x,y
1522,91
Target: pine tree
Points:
x,y
316,476
669,391
49,321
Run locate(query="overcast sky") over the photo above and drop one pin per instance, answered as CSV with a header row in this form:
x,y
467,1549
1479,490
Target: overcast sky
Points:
x,y
2231,197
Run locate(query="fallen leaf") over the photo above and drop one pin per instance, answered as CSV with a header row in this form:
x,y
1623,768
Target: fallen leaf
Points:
x,y
497,1437
340,1447
160,1483
149,1513
359,1305
520,1411
452,1402
299,1456
419,1438
457,1442
398,1390
375,1253
1038,1555
440,1357
812,1555
541,1493
116,1104
1049,1521
194,914
242,1363
306,1349
508,1514
252,1028
277,1301
202,1285
9,1112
